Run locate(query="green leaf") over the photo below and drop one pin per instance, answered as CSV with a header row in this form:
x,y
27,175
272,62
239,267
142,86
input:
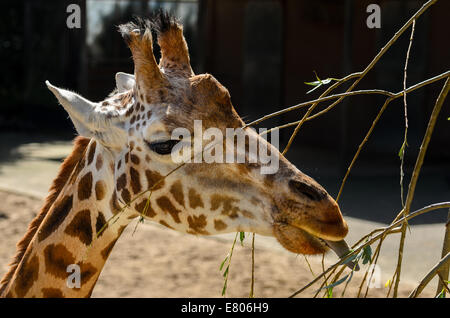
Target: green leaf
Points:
x,y
367,254
311,90
401,151
315,83
441,294
317,76
242,237
224,289
330,293
331,286
225,274
223,263
352,258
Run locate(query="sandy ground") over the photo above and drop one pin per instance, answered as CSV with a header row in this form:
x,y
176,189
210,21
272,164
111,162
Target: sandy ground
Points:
x,y
158,262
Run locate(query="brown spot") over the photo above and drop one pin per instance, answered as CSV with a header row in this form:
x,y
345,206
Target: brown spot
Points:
x,y
247,214
87,271
27,275
149,114
129,111
138,149
99,162
141,209
135,180
147,158
119,164
57,258
55,217
100,225
219,225
134,159
85,186
81,227
107,250
153,178
114,203
194,199
197,223
177,191
167,206
121,182
133,119
227,205
100,190
162,222
126,196
52,293
91,152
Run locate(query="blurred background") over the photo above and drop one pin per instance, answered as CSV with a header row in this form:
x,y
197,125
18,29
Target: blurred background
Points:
x,y
263,52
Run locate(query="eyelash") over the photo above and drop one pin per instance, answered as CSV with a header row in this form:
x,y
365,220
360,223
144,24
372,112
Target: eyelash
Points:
x,y
163,147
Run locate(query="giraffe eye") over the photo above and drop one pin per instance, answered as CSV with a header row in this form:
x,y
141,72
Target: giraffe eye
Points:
x,y
163,147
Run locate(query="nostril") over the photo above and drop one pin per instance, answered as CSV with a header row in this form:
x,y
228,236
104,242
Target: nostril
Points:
x,y
311,192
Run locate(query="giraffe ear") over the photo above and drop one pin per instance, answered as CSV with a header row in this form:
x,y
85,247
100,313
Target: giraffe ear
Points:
x,y
76,106
124,81
86,117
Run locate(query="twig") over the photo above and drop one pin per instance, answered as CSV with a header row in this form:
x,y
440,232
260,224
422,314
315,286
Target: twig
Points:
x,y
415,176
429,276
405,140
443,272
386,103
335,96
252,284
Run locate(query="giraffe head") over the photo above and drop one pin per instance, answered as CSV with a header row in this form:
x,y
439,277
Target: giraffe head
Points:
x,y
136,125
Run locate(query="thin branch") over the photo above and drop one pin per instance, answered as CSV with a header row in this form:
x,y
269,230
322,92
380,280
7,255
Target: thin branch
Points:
x,y
415,176
386,103
423,148
252,284
429,276
405,140
335,96
443,273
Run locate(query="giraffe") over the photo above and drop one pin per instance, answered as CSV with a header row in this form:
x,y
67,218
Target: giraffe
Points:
x,y
122,151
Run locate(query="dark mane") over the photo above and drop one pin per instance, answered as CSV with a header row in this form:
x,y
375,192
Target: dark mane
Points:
x,y
65,170
163,21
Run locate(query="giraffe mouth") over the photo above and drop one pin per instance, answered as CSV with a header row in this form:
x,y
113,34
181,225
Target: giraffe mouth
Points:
x,y
300,241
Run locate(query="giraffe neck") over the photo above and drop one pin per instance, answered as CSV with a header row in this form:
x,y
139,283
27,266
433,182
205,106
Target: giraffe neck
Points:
x,y
75,236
